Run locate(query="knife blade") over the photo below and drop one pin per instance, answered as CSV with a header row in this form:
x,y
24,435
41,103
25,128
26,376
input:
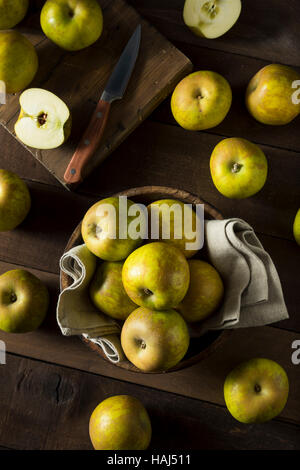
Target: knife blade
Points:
x,y
114,90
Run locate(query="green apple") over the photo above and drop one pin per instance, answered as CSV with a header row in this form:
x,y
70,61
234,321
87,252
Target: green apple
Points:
x,y
165,213
72,24
100,230
269,96
120,422
18,61
296,227
15,200
12,12
154,340
201,100
107,291
156,276
204,294
256,391
238,168
44,121
211,18
24,301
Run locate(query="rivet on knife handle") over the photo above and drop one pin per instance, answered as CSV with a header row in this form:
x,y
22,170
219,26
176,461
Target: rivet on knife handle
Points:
x,y
88,143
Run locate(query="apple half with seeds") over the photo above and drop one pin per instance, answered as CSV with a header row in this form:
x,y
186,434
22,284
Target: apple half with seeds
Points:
x,y
44,121
211,18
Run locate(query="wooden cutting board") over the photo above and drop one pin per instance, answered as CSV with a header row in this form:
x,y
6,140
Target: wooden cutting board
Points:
x,y
78,78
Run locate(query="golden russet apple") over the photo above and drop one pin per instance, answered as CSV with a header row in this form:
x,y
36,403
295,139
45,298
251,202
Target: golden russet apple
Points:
x,y
72,24
12,12
156,276
18,61
120,422
15,200
154,340
24,301
238,168
168,215
256,391
269,95
201,100
205,292
107,291
100,230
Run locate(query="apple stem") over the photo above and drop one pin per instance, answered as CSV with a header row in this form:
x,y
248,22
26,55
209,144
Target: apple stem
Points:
x,y
143,344
148,292
236,167
13,297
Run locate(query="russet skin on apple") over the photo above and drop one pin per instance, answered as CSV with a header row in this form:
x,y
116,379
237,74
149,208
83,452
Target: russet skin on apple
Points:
x,y
205,292
186,237
12,12
107,291
201,100
72,24
120,422
18,61
106,248
238,168
269,95
154,340
24,301
15,200
256,391
156,276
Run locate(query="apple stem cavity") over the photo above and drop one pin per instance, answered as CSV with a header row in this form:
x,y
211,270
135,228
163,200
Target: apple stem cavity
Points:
x,y
257,388
13,297
236,167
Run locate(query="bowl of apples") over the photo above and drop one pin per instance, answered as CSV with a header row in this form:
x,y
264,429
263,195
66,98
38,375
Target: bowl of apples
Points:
x,y
158,286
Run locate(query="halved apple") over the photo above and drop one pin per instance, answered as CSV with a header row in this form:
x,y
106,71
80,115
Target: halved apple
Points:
x,y
44,121
211,18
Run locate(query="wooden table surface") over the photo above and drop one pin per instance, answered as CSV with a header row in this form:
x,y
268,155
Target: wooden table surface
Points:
x,y
51,384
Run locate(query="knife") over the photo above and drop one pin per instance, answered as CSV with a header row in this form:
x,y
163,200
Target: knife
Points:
x,y
114,90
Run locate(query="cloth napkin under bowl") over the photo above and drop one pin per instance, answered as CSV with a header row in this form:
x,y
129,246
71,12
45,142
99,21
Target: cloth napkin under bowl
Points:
x,y
76,315
253,293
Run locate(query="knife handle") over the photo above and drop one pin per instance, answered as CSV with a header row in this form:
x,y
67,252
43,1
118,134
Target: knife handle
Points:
x,y
88,143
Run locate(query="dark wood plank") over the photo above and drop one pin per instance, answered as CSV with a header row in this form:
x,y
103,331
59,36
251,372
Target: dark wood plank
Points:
x,y
268,29
48,407
165,155
80,78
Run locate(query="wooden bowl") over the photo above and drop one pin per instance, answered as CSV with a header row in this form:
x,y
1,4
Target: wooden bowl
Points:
x,y
199,348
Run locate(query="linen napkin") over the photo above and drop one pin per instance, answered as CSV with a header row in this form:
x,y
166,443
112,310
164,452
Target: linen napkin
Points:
x,y
253,294
76,315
